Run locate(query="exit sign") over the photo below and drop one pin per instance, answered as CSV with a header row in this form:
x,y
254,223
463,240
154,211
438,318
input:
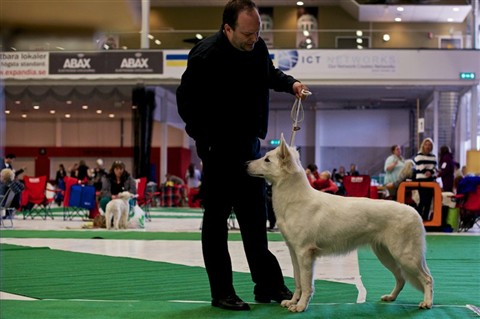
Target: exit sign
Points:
x,y
274,142
467,75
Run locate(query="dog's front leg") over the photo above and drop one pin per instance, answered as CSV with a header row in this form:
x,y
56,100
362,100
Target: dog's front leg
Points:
x,y
296,275
306,263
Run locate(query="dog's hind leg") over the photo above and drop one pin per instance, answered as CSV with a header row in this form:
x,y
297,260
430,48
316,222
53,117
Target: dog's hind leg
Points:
x,y
417,273
306,263
390,263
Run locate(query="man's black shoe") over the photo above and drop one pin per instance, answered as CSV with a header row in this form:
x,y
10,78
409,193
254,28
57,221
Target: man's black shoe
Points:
x,y
230,303
278,296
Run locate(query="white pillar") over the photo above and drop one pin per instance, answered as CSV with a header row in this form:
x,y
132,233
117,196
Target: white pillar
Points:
x,y
436,101
474,118
144,41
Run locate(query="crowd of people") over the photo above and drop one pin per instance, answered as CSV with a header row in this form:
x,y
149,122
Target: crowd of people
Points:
x,y
422,167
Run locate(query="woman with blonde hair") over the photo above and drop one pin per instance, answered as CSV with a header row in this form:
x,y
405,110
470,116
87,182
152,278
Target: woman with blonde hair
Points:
x,y
425,171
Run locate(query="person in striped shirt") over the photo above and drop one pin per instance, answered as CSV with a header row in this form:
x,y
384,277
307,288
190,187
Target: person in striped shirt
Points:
x,y
425,171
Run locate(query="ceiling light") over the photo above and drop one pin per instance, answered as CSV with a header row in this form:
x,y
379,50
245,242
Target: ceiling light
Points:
x,y
199,36
111,115
7,111
24,115
308,40
359,47
306,33
68,102
52,111
359,33
68,115
398,19
309,46
36,107
400,9
386,37
99,111
300,3
151,37
359,40
17,102
456,9
449,20
85,107
157,42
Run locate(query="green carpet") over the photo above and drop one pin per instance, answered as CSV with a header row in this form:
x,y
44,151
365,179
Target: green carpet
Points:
x,y
78,285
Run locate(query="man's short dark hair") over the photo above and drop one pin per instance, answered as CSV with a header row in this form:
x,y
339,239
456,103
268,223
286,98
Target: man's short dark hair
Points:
x,y
10,156
233,8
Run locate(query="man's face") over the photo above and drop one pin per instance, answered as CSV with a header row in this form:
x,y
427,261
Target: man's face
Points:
x,y
246,32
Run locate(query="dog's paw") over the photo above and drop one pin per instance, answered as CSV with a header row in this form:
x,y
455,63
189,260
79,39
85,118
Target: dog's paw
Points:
x,y
425,305
388,298
297,308
288,303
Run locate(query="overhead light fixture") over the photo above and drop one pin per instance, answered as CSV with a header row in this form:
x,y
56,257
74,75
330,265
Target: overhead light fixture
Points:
x,y
52,111
99,111
306,33
68,115
111,115
449,20
456,9
400,9
300,3
199,36
359,40
24,115
36,107
386,37
359,33
85,107
398,19
158,42
7,111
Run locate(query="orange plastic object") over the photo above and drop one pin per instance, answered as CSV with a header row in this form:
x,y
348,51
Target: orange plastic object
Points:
x,y
437,199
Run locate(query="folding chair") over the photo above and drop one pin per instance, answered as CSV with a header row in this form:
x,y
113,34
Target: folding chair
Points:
x,y
6,209
357,186
34,200
468,201
82,199
145,198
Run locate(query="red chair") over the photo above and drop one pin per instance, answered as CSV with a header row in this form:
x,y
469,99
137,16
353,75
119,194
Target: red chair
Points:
x,y
357,186
145,199
34,201
469,205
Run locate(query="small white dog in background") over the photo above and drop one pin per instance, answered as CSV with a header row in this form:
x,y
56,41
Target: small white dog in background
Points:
x,y
118,209
315,224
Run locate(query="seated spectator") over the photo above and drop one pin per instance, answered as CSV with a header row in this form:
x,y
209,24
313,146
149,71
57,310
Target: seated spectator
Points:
x,y
337,177
325,183
172,180
405,174
116,181
353,170
7,162
312,173
8,181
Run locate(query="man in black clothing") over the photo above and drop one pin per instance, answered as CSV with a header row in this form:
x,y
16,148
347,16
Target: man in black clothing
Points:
x,y
228,77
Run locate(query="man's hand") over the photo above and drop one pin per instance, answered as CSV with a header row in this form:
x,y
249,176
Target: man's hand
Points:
x,y
299,89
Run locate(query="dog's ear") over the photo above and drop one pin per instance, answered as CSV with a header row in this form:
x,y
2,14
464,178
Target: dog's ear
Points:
x,y
283,148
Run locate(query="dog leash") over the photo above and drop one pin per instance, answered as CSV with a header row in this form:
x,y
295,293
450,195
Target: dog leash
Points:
x,y
297,115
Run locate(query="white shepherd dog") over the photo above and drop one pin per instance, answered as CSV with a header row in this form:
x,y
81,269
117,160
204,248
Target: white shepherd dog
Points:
x,y
315,224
